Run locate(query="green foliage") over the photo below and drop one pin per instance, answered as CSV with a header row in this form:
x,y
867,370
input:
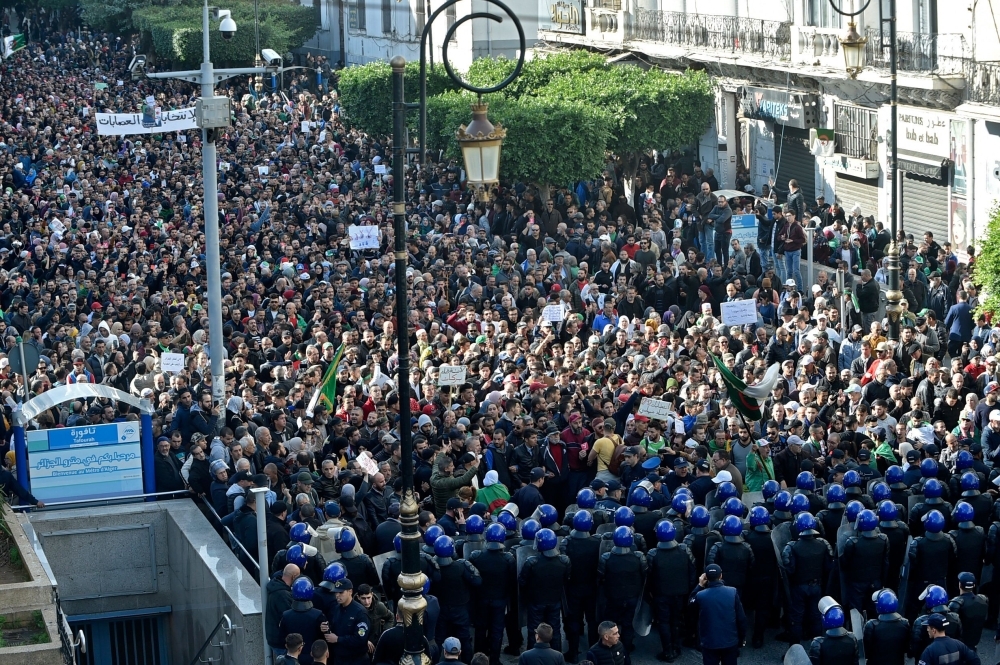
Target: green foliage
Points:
x,y
366,93
537,73
113,15
987,273
176,36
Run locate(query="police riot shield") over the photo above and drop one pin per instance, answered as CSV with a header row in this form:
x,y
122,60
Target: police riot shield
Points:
x,y
844,533
781,536
987,575
796,655
642,620
904,578
380,560
522,554
711,501
469,547
711,540
608,527
751,499
571,509
858,628
912,501
996,653
716,515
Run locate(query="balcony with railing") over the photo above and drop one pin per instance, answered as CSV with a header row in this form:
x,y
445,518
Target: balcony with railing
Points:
x,y
919,53
983,82
728,34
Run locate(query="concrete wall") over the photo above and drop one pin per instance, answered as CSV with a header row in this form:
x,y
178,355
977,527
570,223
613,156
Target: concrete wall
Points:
x,y
125,558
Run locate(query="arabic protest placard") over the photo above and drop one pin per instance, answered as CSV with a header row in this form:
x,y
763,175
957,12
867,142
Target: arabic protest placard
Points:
x,y
553,313
120,124
363,237
380,169
172,362
57,227
367,464
452,375
654,409
739,313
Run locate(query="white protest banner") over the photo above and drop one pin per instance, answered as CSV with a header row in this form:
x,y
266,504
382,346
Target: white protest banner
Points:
x,y
452,375
363,237
120,124
380,169
263,170
553,313
367,464
654,409
172,362
57,227
739,313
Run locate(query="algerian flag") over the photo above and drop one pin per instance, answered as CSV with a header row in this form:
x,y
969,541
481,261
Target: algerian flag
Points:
x,y
857,305
326,391
13,43
748,399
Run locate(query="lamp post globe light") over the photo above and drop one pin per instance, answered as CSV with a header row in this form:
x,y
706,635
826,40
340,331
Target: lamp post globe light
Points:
x,y
481,142
853,45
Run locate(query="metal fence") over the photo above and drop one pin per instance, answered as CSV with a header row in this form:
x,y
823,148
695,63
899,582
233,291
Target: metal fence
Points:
x,y
720,33
916,52
983,82
857,131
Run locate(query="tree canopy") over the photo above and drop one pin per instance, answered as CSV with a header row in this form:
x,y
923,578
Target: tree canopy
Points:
x,y
987,273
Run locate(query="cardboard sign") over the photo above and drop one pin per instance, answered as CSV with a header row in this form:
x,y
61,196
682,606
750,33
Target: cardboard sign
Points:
x,y
739,313
553,313
368,465
380,169
655,409
452,375
172,362
363,237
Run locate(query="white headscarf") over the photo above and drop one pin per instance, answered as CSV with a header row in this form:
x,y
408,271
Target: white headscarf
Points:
x,y
491,478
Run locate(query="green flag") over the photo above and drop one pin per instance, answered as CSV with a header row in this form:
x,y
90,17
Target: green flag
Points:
x,y
748,399
12,44
327,390
857,305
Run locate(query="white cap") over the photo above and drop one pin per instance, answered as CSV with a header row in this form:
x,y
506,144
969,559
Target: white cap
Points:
x,y
994,415
722,477
790,282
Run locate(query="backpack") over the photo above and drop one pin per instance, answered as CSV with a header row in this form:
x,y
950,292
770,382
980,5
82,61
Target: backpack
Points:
x,y
617,457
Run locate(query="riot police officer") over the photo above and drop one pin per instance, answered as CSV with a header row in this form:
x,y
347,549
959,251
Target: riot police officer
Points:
x,y
454,593
431,534
782,508
935,600
548,518
898,534
731,506
971,609
970,542
672,576
807,562
583,550
864,562
624,516
931,556
679,512
621,574
762,584
360,568
498,570
932,501
800,504
725,490
733,554
306,557
769,491
832,516
982,504
887,637
852,486
585,500
393,566
805,484
472,540
348,627
302,617
542,582
323,595
698,536
894,476
836,646
512,622
645,517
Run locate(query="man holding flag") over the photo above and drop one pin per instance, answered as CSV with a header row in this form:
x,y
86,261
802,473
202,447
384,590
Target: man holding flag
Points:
x,y
12,44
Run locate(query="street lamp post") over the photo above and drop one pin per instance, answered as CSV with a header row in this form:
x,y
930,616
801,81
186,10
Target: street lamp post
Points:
x,y
853,45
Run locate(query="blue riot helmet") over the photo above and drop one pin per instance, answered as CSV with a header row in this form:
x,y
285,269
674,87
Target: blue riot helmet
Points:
x,y
933,522
881,492
583,521
805,481
933,489
299,533
680,504
432,533
964,460
345,541
800,504
733,506
805,523
783,501
640,497
771,487
970,483
732,526
759,516
529,529
726,490
886,601
475,525
894,475
963,514
335,571
546,542
302,589
508,521
397,543
852,511
444,547
700,517
887,511
624,516
833,618
928,468
665,531
547,515
496,533
586,499
294,554
934,596
623,537
835,494
867,521
852,479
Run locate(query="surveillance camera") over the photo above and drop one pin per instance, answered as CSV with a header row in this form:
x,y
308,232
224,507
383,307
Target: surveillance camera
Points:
x,y
228,28
270,57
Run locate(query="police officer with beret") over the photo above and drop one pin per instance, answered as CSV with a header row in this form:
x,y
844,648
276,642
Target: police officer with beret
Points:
x,y
347,627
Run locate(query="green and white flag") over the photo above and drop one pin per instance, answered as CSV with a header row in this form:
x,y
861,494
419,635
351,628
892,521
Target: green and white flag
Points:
x,y
748,399
12,44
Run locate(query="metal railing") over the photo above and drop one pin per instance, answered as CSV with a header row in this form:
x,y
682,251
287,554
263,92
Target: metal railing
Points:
x,y
718,33
983,82
857,131
226,625
917,52
234,542
80,503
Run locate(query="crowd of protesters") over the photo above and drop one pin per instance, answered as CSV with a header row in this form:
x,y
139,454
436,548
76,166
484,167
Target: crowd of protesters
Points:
x,y
579,510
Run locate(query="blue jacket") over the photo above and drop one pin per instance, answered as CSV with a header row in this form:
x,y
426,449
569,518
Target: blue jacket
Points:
x,y
188,420
991,442
722,623
959,322
948,650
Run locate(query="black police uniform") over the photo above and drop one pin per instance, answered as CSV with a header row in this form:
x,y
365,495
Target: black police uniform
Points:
x,y
350,625
982,506
305,620
970,552
916,515
454,593
898,534
498,570
736,558
807,562
831,518
763,583
887,639
971,609
621,574
932,558
583,551
948,651
864,564
696,541
836,647
645,525
920,640
360,570
542,583
393,566
672,576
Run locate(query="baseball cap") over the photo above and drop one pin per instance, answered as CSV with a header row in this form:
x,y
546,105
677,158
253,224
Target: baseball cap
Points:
x,y
304,477
537,474
722,477
994,415
790,283
614,485
454,503
864,454
597,484
452,646
714,571
344,584
851,389
632,450
937,621
679,462
992,387
702,465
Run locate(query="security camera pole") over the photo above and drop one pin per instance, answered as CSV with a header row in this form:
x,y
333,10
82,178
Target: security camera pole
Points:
x,y
213,113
